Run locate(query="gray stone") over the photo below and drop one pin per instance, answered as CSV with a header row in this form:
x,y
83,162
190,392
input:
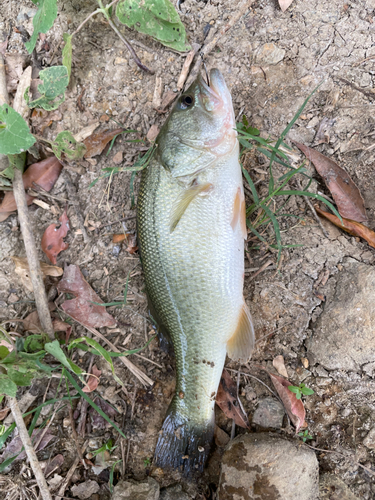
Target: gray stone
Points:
x,y
332,488
268,466
369,440
344,334
131,490
269,53
269,414
174,492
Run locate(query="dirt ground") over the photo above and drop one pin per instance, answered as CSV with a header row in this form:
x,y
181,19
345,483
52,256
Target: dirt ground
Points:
x,y
271,62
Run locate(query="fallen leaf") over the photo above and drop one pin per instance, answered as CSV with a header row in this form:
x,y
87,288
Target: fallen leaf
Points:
x,y
44,173
81,307
22,269
15,446
32,322
130,240
52,241
41,119
221,437
168,98
52,465
293,406
227,400
96,142
284,4
85,490
279,364
86,131
153,133
93,380
14,69
350,226
97,421
348,199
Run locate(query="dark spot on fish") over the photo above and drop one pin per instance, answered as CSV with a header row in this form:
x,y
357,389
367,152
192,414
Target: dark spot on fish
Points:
x,y
203,361
196,396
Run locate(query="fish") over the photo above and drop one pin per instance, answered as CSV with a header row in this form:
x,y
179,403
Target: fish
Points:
x,y
191,224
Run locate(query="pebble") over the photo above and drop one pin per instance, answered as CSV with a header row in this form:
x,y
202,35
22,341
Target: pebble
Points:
x,y
132,490
269,53
268,466
269,414
117,159
343,338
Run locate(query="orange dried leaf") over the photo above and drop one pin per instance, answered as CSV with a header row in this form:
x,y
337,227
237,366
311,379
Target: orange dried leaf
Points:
x,y
83,307
96,142
93,380
52,241
279,364
227,400
293,406
118,238
130,240
350,226
44,173
348,199
284,4
23,271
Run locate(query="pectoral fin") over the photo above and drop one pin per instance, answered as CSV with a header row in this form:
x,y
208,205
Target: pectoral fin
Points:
x,y
241,344
183,201
239,213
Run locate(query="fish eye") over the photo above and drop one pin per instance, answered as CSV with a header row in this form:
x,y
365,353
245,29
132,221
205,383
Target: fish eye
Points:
x,y
186,101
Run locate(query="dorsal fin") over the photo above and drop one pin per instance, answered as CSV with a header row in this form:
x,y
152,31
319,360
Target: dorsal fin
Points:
x,y
241,343
184,200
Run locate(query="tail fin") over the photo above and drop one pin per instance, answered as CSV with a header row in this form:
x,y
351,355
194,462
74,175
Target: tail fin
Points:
x,y
182,444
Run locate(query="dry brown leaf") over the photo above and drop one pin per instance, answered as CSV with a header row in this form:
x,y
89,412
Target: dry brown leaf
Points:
x,y
41,119
227,400
96,142
82,307
168,98
279,364
14,64
348,199
350,226
93,380
22,269
44,173
293,406
130,240
52,241
284,4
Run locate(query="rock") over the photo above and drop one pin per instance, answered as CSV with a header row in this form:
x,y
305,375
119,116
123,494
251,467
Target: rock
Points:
x,y
153,133
146,490
268,466
369,440
117,159
174,492
269,53
332,488
344,334
85,490
269,414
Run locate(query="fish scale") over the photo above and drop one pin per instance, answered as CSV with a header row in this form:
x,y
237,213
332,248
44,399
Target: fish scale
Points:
x,y
194,280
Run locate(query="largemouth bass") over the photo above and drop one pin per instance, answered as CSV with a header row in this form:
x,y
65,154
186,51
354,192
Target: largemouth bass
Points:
x,y
191,228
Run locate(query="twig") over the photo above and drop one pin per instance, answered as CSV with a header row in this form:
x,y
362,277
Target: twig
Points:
x,y
310,205
30,452
268,263
210,45
186,67
68,477
84,406
367,93
75,437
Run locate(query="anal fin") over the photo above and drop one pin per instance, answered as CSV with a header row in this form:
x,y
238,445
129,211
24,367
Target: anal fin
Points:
x,y
241,343
184,200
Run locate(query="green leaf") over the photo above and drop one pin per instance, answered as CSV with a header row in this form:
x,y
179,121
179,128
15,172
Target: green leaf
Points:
x,y
55,350
22,377
67,53
17,161
15,135
91,403
307,391
43,20
7,386
157,18
93,343
55,80
10,359
294,389
65,143
8,462
4,351
34,343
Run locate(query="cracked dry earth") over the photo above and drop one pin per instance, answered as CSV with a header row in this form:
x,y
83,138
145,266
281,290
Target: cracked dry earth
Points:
x,y
271,62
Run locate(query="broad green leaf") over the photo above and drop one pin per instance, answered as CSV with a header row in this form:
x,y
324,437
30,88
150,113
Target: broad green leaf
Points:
x,y
55,80
67,53
15,135
65,143
10,359
4,351
43,20
157,18
22,377
7,386
55,350
34,343
17,161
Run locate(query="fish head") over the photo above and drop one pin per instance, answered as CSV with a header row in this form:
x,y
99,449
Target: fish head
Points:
x,y
200,128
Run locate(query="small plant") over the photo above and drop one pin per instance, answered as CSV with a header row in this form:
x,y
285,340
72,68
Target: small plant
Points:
x,y
305,435
108,446
147,462
300,390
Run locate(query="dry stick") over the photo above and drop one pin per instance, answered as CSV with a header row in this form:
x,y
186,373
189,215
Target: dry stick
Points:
x,y
3,100
75,437
210,45
30,452
72,194
308,202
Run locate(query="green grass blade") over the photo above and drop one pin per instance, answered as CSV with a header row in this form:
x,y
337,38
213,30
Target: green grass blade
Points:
x,y
91,403
276,227
312,195
251,185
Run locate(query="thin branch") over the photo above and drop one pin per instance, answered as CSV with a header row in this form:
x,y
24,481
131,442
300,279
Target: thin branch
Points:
x,y
30,452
